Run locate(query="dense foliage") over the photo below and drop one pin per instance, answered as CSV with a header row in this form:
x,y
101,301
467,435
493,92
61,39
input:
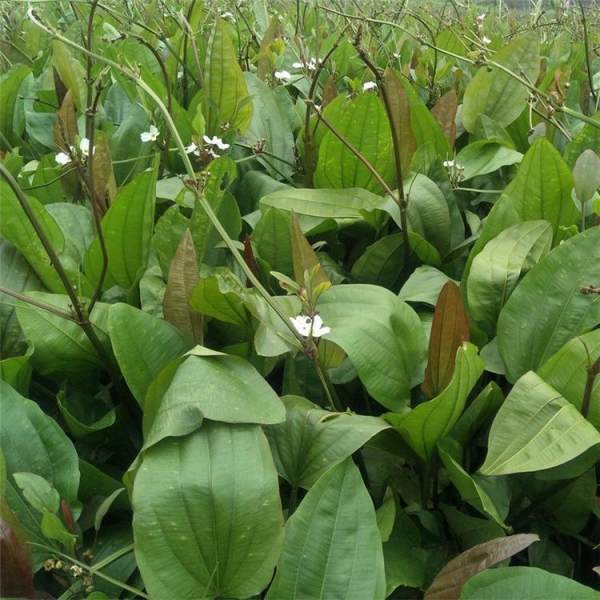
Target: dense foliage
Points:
x,y
299,301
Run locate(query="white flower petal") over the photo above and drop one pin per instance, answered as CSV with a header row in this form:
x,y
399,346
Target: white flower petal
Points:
x,y
191,148
369,85
145,136
303,324
62,158
84,146
284,76
298,65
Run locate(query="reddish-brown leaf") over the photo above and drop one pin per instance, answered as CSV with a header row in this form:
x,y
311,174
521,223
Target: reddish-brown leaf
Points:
x,y
444,112
16,580
400,110
65,129
183,276
450,580
449,329
329,91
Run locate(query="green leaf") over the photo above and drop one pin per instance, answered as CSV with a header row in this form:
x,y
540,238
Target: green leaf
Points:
x,y
131,218
38,491
70,71
312,440
526,583
270,127
495,271
213,386
332,545
10,82
54,529
16,275
142,357
220,296
226,92
428,212
424,285
567,372
382,337
345,206
17,229
536,428
363,123
430,421
450,580
207,516
33,442
527,339
586,175
495,93
482,493
482,157
60,346
271,238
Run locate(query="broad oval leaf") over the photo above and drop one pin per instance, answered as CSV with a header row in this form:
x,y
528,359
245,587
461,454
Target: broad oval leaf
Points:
x,y
226,92
535,429
313,440
18,230
345,206
525,339
495,93
332,544
214,386
525,583
363,123
142,357
567,372
207,517
495,271
131,218
381,335
60,346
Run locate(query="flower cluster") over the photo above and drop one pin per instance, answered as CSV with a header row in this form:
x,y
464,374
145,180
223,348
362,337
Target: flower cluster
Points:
x,y
212,142
310,64
64,158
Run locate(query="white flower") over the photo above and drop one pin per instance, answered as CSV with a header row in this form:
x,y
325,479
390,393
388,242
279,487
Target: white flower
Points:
x,y
485,40
284,76
369,85
480,18
151,135
84,147
311,65
448,164
215,141
309,326
227,15
62,158
192,149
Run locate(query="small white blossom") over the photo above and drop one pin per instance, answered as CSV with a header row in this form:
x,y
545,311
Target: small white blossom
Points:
x,y
369,85
84,147
448,164
215,141
62,158
283,76
311,64
310,326
192,149
480,18
227,15
151,135
485,40
298,65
